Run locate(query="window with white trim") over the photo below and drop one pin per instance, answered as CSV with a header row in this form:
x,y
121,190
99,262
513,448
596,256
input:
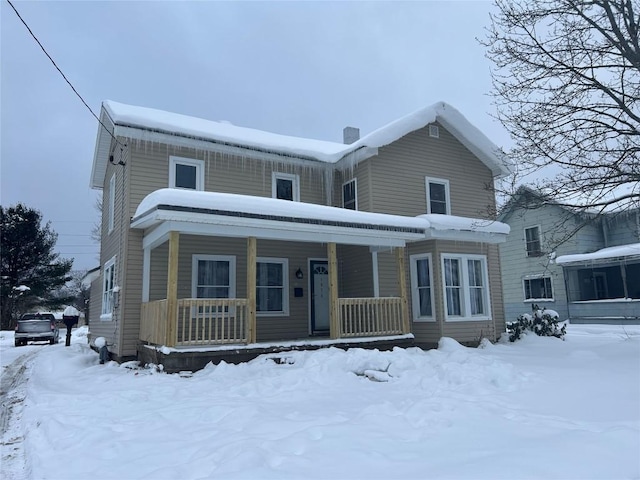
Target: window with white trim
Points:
x,y
272,286
213,276
421,287
538,289
108,282
285,186
186,173
350,195
438,196
112,202
466,287
532,239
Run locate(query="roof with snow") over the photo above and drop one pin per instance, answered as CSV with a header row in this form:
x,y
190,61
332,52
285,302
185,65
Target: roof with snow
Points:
x,y
226,214
630,251
149,124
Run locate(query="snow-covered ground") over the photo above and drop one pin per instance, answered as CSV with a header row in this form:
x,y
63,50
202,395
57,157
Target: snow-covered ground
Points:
x,y
540,408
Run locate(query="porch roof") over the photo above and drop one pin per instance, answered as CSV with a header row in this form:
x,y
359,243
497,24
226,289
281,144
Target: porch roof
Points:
x,y
630,251
231,215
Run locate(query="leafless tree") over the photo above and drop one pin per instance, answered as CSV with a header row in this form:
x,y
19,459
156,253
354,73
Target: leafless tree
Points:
x,y
566,85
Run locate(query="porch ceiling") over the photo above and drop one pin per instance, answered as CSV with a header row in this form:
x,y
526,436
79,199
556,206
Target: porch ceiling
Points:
x,y
229,215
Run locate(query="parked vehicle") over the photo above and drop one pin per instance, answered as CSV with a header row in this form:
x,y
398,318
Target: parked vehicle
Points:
x,y
36,327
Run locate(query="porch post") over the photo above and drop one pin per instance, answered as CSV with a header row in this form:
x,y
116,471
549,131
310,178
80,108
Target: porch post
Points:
x,y
172,289
402,286
334,309
251,289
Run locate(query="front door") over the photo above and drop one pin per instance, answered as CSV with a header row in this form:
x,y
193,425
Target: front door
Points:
x,y
319,284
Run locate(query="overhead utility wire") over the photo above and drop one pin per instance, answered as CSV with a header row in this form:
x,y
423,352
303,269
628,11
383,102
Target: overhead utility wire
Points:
x,y
63,75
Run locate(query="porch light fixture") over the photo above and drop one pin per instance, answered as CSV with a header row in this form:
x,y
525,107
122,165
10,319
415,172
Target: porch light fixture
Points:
x,y
299,274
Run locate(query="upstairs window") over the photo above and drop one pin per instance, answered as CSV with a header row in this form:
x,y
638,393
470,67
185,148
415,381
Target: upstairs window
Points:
x,y
349,195
186,173
438,196
285,186
538,289
112,202
532,239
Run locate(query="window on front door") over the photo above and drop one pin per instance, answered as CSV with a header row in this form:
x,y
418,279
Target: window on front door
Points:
x,y
272,279
438,196
285,186
186,173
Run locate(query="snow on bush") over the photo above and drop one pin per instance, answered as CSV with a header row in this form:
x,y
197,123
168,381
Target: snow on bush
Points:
x,y
542,322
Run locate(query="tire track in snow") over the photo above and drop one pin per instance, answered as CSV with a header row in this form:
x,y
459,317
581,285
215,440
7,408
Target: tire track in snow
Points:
x,y
12,395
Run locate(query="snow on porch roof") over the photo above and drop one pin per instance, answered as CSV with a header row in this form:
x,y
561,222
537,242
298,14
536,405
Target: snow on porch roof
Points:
x,y
149,121
621,251
263,217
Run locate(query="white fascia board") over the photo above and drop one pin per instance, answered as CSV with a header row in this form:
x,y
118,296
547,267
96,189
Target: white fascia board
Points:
x,y
101,152
213,146
157,236
466,236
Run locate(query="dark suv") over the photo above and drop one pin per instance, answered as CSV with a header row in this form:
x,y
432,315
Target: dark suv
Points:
x,y
36,327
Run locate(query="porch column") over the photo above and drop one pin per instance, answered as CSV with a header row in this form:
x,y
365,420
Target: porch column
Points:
x,y
172,289
402,286
251,289
334,309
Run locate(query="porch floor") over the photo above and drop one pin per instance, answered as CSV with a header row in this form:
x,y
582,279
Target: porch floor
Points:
x,y
179,359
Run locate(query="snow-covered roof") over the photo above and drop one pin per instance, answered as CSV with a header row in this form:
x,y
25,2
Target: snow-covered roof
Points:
x,y
158,125
226,214
631,250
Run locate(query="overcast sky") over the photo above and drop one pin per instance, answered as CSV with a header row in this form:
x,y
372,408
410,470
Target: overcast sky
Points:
x,y
297,68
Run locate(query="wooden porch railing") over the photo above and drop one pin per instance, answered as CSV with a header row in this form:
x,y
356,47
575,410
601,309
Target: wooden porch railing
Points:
x,y
200,321
364,317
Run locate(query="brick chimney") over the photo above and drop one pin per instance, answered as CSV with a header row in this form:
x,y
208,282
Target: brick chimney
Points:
x,y
350,135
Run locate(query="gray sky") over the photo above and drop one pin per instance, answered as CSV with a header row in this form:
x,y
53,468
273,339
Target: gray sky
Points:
x,y
296,68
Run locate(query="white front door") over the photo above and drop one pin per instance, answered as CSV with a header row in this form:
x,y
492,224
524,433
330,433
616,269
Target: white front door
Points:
x,y
319,296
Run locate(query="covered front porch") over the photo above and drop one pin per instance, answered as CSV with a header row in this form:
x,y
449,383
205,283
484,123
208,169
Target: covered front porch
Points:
x,y
183,323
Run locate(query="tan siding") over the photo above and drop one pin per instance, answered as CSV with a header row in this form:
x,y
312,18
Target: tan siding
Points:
x,y
355,272
362,175
426,333
388,274
399,171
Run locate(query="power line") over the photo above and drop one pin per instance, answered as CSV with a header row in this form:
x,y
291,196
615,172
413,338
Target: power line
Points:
x,y
63,75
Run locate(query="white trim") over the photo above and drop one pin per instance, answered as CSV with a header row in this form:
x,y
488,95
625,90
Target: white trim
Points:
x,y
146,273
441,181
194,272
109,264
465,299
285,287
434,130
415,297
198,164
376,279
355,192
537,300
112,203
295,184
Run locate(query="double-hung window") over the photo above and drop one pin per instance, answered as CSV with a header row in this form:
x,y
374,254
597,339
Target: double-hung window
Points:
x,y
532,239
272,286
108,282
438,196
186,173
421,287
213,276
285,186
349,195
466,287
538,289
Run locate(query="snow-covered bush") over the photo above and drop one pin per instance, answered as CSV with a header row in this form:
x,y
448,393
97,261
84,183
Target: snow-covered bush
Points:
x,y
542,322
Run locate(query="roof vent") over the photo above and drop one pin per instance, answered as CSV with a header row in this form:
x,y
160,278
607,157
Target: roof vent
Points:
x,y
434,131
350,135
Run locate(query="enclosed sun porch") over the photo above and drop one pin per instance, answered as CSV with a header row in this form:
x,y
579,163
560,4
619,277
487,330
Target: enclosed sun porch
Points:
x,y
232,270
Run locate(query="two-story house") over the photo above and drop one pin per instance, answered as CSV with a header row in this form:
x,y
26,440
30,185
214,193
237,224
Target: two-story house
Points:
x,y
219,238
585,266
